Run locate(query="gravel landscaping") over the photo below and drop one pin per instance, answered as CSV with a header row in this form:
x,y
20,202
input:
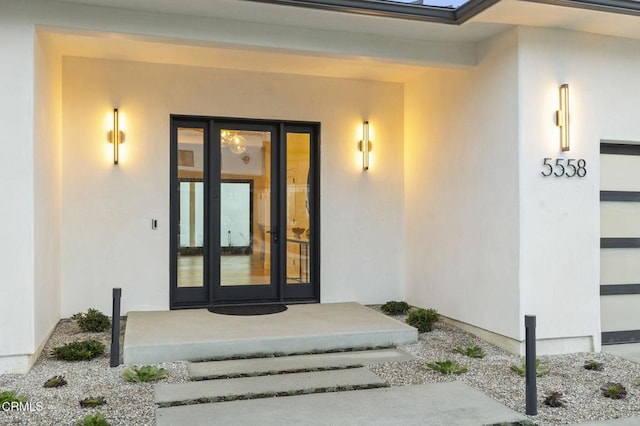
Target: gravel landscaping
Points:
x,y
131,404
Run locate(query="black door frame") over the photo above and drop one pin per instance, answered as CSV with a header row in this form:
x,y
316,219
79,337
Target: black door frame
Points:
x,y
212,294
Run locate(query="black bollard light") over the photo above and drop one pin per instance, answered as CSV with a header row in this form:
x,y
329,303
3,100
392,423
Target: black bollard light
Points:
x,y
115,328
530,361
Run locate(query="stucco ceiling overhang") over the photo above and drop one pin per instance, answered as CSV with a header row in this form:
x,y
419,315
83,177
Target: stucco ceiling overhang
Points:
x,y
408,35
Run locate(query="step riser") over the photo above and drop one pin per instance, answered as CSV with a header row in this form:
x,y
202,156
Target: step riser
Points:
x,y
245,397
167,394
291,364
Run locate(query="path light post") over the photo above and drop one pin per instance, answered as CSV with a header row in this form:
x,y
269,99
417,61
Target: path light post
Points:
x,y
115,328
530,362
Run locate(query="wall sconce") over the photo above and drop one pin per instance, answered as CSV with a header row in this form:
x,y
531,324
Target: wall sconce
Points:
x,y
116,136
562,117
365,145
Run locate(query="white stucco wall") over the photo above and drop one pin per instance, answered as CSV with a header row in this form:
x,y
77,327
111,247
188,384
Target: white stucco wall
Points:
x,y
560,217
16,181
47,191
107,240
461,190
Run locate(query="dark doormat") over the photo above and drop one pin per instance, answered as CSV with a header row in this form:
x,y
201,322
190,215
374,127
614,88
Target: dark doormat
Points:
x,y
249,309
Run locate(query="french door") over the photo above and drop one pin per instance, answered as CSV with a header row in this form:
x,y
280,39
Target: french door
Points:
x,y
244,211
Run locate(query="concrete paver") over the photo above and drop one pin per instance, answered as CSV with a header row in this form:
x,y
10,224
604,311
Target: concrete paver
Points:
x,y
254,366
197,334
174,392
439,404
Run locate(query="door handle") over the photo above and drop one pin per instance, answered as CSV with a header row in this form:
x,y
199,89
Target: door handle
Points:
x,y
274,234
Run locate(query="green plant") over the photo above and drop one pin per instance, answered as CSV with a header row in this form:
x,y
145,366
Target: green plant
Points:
x,y
93,420
423,319
395,308
447,367
11,396
146,373
470,351
554,399
92,401
638,381
55,382
521,369
93,320
79,351
613,390
593,365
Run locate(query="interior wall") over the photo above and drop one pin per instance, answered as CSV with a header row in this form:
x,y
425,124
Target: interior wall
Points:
x,y
16,181
461,190
107,240
560,217
47,175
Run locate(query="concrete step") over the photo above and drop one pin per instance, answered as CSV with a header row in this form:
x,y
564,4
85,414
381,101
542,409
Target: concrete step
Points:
x,y
446,404
217,390
290,364
199,335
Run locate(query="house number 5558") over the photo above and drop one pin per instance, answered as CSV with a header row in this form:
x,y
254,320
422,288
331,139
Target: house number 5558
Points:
x,y
564,167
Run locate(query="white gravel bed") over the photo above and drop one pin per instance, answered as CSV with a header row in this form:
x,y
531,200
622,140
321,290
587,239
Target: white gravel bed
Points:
x,y
132,404
491,375
128,404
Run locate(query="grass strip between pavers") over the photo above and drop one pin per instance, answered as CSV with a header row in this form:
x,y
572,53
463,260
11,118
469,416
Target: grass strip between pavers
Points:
x,y
272,373
228,398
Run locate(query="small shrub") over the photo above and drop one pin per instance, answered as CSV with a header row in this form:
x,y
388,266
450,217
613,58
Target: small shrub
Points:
x,y
447,367
593,365
395,308
92,401
92,321
55,382
11,396
521,369
554,399
79,351
613,390
423,319
470,351
638,381
146,373
93,420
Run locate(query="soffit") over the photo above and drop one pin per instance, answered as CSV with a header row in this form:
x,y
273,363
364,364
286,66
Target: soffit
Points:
x,y
144,49
516,12
273,14
491,21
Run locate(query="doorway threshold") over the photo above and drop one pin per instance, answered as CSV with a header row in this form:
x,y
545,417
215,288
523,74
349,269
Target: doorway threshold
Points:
x,y
197,334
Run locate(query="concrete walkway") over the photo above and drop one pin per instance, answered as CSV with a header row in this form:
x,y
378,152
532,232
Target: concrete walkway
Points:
x,y
446,404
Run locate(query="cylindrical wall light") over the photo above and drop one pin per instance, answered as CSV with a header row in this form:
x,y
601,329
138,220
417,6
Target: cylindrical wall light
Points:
x,y
365,145
562,118
116,136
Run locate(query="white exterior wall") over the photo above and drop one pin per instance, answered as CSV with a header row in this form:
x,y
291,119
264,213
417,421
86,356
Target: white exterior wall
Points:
x,y
461,190
560,223
107,240
47,191
16,182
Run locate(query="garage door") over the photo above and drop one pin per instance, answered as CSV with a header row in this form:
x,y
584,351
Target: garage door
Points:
x,y
620,242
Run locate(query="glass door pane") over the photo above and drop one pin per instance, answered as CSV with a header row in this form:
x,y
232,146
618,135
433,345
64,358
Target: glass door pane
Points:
x,y
190,155
245,208
298,215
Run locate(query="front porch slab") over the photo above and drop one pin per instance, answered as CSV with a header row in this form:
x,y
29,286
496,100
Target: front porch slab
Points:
x,y
194,335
